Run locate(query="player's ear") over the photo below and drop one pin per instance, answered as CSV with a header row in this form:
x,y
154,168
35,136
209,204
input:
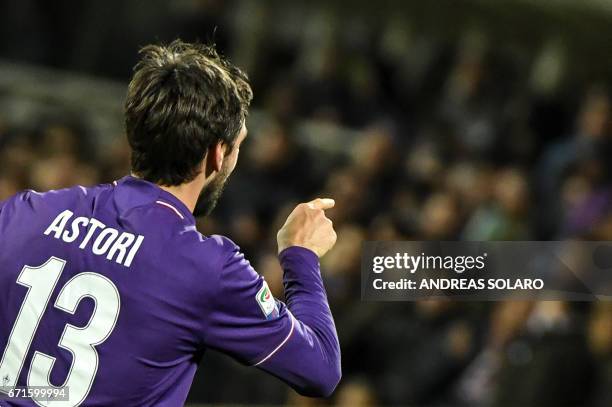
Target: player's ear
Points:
x,y
213,161
217,155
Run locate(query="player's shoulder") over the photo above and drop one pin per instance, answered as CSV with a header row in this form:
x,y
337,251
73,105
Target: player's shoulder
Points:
x,y
222,243
37,201
213,249
73,192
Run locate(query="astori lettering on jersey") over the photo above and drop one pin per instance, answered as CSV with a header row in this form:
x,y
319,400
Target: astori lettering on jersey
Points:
x,y
118,246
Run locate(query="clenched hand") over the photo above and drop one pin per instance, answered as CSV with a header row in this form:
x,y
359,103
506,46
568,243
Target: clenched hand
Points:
x,y
307,226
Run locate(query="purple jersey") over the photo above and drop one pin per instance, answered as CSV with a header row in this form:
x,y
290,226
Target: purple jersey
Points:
x,y
111,292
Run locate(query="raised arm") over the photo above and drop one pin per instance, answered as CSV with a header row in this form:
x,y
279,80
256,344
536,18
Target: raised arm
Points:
x,y
297,341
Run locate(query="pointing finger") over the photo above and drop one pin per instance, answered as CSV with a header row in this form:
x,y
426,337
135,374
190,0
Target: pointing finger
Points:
x,y
322,203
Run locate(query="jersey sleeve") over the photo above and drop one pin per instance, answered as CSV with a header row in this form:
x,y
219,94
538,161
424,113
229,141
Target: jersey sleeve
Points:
x,y
297,341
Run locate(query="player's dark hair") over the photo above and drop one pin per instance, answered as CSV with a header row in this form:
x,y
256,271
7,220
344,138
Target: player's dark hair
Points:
x,y
182,99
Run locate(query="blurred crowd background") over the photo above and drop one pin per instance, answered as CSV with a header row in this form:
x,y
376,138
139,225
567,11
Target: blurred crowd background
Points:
x,y
436,120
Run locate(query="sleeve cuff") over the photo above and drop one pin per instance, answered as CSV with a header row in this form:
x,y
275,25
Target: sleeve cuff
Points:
x,y
299,251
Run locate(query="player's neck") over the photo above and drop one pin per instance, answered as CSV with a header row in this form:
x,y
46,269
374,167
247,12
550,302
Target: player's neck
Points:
x,y
186,193
189,192
183,195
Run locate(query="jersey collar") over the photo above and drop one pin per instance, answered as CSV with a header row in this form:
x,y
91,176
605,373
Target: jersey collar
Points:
x,y
160,196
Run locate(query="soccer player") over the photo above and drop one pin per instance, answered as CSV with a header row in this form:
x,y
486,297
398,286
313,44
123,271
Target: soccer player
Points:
x,y
112,294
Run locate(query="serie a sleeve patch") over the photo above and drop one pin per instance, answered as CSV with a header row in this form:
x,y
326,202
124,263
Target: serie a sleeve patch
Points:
x,y
266,301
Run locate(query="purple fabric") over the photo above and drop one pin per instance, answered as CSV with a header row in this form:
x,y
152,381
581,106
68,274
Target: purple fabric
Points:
x,y
181,293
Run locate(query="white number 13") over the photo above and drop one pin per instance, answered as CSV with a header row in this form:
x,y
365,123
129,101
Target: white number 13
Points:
x,y
81,342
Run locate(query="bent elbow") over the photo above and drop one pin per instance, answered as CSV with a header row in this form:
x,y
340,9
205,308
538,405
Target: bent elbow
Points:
x,y
328,388
324,384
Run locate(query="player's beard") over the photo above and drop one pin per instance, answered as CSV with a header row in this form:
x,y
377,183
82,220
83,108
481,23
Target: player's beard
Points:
x,y
211,193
